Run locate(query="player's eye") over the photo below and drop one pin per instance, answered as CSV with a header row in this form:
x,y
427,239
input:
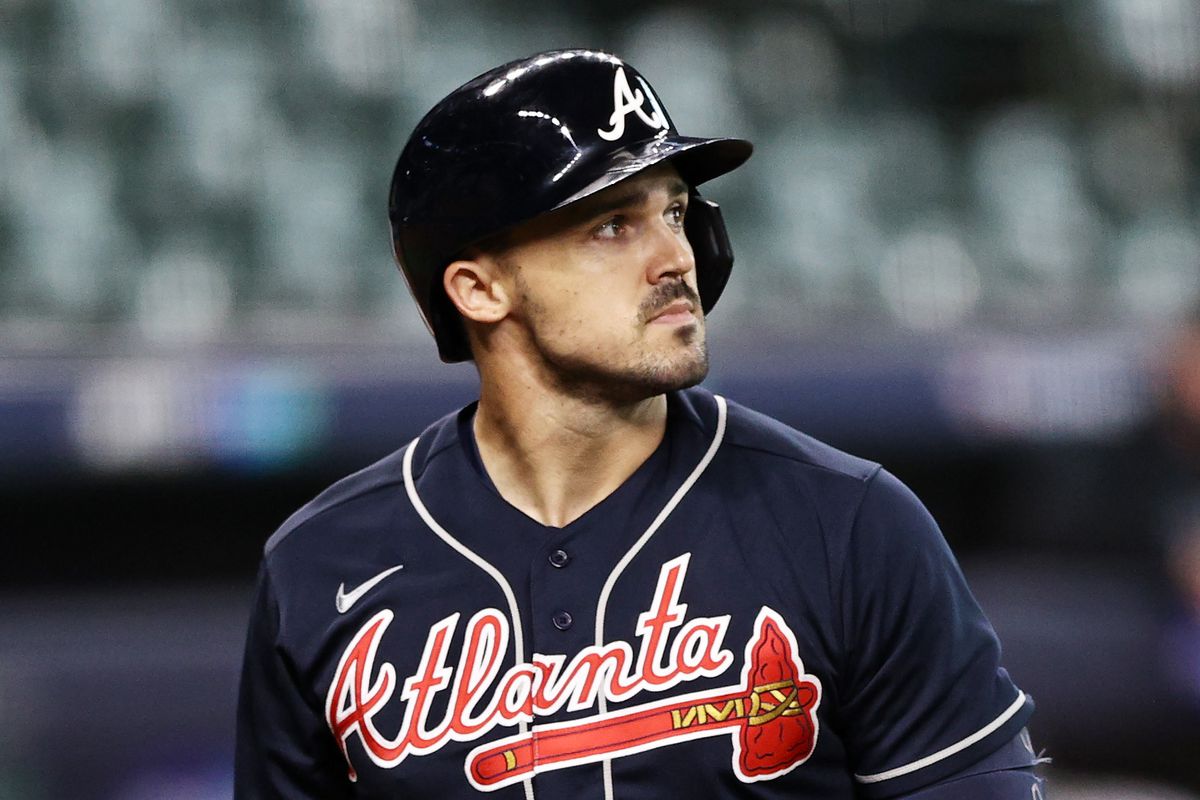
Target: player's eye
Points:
x,y
675,215
611,228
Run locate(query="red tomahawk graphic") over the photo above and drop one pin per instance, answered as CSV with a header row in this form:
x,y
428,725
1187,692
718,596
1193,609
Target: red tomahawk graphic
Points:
x,y
771,716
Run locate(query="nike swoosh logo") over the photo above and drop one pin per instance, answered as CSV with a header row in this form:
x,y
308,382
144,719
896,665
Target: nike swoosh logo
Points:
x,y
345,600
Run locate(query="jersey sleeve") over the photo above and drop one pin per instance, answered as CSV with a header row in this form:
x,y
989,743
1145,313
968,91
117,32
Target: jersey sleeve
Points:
x,y
1007,774
923,692
283,747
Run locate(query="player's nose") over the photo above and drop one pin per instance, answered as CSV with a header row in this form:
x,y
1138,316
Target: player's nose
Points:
x,y
670,253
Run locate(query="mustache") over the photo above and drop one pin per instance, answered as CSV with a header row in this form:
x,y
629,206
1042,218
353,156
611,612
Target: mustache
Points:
x,y
663,295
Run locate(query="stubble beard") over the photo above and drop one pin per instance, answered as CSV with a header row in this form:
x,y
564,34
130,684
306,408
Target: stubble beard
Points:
x,y
647,375
646,372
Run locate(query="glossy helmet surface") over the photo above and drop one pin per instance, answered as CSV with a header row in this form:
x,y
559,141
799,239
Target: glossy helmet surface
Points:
x,y
529,137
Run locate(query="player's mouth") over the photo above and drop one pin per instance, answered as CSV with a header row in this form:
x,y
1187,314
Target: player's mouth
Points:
x,y
679,312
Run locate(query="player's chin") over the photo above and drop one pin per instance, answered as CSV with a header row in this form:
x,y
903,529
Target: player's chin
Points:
x,y
690,377
684,365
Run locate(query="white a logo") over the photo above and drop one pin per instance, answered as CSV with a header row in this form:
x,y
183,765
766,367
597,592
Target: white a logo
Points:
x,y
626,101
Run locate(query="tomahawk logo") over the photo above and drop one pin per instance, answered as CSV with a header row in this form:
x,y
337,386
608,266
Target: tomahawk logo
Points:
x,y
628,101
770,714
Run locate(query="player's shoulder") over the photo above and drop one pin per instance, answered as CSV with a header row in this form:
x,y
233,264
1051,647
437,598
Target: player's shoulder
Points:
x,y
356,488
827,472
750,434
370,491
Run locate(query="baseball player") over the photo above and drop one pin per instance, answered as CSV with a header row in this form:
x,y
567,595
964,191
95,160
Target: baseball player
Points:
x,y
600,581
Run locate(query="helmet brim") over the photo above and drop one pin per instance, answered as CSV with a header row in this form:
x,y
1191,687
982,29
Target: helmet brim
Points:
x,y
697,160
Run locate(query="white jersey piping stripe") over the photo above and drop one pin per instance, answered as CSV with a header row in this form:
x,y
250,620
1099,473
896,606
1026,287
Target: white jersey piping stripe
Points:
x,y
946,752
684,488
518,643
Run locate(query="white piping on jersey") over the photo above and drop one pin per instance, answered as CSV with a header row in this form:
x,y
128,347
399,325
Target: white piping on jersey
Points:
x,y
477,560
684,488
946,752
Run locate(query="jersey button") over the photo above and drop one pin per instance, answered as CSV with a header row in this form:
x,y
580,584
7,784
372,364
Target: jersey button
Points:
x,y
559,558
562,620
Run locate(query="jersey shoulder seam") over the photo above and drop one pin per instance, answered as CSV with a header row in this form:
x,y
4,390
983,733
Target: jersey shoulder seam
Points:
x,y
434,452
864,477
333,497
386,472
786,442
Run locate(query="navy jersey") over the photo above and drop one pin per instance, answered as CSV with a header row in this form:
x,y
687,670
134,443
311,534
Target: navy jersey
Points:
x,y
751,614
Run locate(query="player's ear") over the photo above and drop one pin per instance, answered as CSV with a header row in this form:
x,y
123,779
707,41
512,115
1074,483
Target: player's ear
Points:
x,y
474,287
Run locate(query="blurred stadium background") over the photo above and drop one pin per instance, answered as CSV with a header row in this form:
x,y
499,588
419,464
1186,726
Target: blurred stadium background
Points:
x,y
968,246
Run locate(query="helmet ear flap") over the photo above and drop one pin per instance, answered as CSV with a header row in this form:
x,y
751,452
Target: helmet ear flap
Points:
x,y
705,230
450,332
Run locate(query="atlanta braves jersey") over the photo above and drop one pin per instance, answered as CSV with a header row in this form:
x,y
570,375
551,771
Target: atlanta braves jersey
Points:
x,y
751,614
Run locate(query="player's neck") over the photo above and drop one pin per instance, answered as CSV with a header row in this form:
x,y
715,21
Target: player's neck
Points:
x,y
553,456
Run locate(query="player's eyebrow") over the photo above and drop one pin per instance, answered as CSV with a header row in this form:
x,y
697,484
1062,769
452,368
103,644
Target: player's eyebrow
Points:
x,y
632,197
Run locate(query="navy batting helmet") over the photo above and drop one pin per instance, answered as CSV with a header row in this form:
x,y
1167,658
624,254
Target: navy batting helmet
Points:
x,y
532,136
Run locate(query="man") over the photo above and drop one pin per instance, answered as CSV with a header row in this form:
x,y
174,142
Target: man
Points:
x,y
597,582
